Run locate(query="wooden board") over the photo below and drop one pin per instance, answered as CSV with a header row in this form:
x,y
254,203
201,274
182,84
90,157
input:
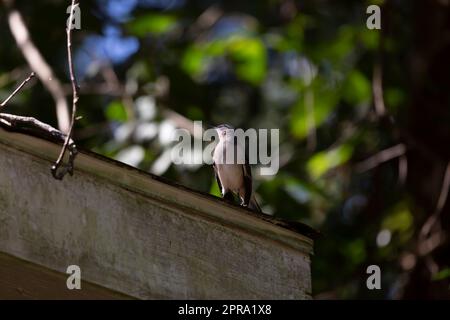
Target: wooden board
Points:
x,y
23,280
135,234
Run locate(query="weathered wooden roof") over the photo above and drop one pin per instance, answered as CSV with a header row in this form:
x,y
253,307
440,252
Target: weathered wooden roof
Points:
x,y
140,234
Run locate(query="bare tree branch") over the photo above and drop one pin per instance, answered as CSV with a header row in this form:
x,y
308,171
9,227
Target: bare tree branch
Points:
x,y
311,141
382,156
38,65
427,226
402,169
205,21
59,174
31,126
17,90
37,128
182,122
431,234
444,190
377,88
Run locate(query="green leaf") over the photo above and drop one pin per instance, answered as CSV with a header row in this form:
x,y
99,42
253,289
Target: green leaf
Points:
x,y
356,251
323,161
341,46
399,219
194,112
193,60
215,191
322,103
116,111
298,191
249,55
370,38
394,98
441,275
152,23
217,47
357,88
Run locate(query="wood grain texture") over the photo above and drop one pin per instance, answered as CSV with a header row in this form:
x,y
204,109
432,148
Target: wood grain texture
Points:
x,y
140,236
21,280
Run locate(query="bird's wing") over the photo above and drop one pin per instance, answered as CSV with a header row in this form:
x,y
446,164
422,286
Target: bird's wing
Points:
x,y
217,177
247,173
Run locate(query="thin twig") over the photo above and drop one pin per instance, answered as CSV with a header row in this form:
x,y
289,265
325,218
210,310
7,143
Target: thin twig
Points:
x,y
426,228
377,88
24,82
31,126
37,128
38,64
182,122
431,235
402,169
382,156
69,166
312,134
204,22
444,190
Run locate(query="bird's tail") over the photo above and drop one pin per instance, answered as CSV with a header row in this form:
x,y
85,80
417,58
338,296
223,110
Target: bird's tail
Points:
x,y
253,204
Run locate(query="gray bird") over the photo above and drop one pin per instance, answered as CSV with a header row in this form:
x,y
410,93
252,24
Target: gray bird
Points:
x,y
235,177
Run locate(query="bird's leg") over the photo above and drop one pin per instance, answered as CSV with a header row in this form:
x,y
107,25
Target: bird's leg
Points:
x,y
228,196
242,197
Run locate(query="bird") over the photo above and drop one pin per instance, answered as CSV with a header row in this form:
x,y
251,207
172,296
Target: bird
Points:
x,y
236,177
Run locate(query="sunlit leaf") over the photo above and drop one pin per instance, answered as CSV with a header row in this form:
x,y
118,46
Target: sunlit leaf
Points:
x,y
132,155
152,23
215,191
192,61
162,163
311,111
249,54
323,161
217,47
115,111
399,218
357,88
